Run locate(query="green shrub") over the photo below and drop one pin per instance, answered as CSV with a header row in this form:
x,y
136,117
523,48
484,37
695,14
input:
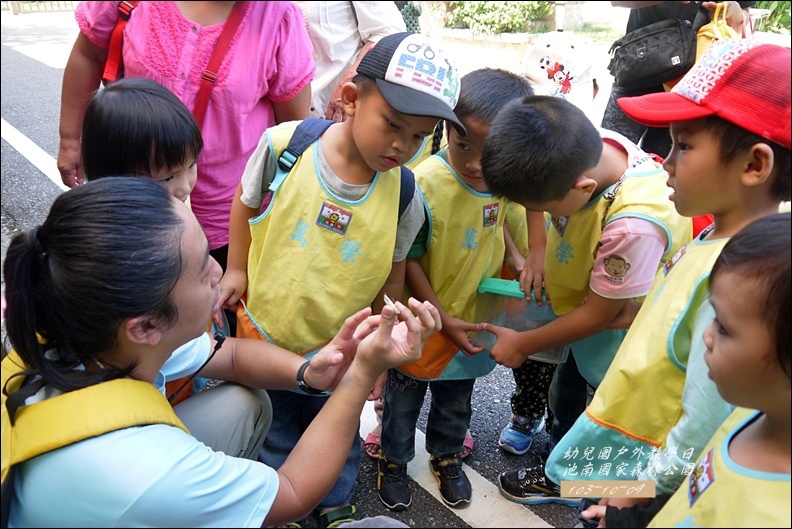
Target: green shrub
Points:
x,y
500,17
779,19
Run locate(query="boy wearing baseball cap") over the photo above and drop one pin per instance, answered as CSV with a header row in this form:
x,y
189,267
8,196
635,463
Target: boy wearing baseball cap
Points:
x,y
656,407
331,241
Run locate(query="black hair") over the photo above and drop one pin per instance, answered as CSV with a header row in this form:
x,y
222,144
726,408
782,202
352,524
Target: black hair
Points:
x,y
760,252
135,126
365,84
108,250
536,149
482,94
735,139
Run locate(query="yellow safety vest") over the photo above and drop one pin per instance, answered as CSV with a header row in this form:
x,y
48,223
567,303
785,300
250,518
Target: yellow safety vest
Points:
x,y
720,493
314,258
77,415
654,354
465,247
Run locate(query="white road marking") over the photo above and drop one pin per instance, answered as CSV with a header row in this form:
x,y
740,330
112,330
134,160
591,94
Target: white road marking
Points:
x,y
32,152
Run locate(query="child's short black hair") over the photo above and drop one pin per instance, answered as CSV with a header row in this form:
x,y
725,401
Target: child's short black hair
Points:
x,y
735,139
364,83
760,253
537,147
135,126
482,94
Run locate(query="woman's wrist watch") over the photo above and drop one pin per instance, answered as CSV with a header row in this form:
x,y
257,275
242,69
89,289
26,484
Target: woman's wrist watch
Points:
x,y
303,386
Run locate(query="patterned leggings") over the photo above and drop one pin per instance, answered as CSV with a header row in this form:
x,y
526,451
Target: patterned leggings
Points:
x,y
529,399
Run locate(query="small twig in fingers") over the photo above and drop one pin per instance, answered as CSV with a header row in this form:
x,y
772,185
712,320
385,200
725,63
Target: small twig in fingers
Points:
x,y
389,302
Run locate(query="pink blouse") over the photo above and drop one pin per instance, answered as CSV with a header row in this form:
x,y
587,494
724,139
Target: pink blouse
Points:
x,y
269,60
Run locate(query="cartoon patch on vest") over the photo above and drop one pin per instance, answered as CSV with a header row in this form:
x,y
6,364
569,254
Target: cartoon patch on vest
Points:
x,y
334,218
490,215
701,478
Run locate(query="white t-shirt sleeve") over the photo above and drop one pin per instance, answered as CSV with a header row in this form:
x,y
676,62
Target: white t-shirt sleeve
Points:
x,y
628,258
377,20
259,173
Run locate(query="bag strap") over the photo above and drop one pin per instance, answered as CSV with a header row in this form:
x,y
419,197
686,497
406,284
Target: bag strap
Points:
x,y
307,132
113,64
209,75
406,189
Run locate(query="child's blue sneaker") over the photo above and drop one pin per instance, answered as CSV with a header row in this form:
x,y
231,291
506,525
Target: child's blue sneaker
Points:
x,y
518,435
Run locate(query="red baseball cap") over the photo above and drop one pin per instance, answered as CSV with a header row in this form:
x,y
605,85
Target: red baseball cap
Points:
x,y
740,80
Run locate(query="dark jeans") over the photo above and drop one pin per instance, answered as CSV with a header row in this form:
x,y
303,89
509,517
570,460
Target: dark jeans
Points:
x,y
650,139
449,415
291,415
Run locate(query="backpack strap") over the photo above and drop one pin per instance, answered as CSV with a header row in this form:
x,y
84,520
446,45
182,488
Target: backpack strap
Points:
x,y
307,132
406,190
82,414
113,65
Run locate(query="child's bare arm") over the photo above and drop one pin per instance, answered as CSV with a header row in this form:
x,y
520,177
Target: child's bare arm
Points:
x,y
234,281
512,348
393,287
514,259
454,328
533,274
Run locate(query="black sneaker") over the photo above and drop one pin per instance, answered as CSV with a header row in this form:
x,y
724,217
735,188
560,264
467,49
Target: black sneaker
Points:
x,y
454,484
530,486
392,486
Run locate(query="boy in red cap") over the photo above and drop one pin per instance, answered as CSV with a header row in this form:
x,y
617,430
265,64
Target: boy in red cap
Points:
x,y
656,408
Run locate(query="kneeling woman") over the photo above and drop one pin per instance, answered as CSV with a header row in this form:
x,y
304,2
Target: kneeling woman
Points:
x,y
115,289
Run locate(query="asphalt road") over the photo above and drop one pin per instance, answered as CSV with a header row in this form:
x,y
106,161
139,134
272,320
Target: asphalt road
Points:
x,y
34,52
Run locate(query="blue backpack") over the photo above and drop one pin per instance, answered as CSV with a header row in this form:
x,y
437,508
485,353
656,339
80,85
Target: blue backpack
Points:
x,y
307,132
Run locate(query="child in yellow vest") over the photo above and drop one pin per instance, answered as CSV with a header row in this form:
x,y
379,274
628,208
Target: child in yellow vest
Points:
x,y
558,64
656,409
331,242
460,245
609,228
742,478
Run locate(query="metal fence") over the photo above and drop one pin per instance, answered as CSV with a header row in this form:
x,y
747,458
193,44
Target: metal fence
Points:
x,y
21,8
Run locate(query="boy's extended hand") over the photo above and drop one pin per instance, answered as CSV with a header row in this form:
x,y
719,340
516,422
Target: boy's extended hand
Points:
x,y
458,330
595,511
232,285
532,277
505,351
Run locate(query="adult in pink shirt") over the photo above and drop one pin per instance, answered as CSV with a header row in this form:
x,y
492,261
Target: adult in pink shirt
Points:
x,y
264,80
